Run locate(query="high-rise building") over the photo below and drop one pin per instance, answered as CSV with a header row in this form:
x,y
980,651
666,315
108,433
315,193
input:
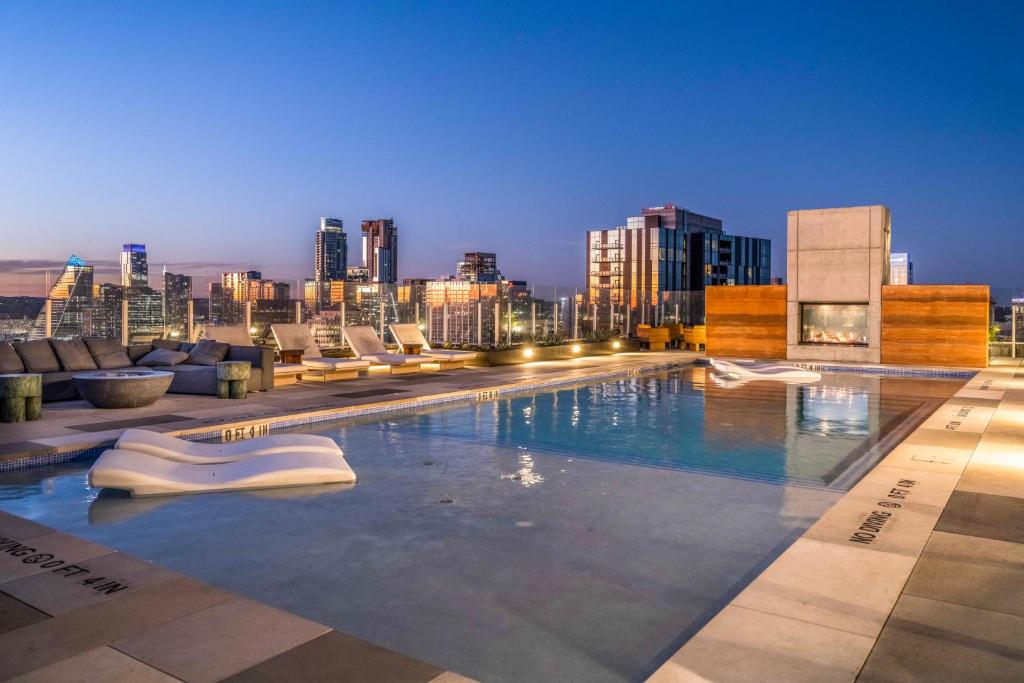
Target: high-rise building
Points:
x,y
380,249
70,303
901,269
134,268
223,309
236,284
176,295
145,314
331,256
106,311
669,249
249,285
477,266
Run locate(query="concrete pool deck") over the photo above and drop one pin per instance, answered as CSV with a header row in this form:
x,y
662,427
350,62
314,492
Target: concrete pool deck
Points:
x,y
916,574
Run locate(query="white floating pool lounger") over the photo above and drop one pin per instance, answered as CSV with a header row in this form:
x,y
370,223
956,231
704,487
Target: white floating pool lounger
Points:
x,y
766,371
180,450
147,475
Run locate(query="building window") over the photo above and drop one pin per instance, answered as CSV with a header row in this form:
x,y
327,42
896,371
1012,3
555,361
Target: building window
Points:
x,y
845,324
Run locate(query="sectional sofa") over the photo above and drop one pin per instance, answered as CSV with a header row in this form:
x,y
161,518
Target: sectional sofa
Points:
x,y
194,366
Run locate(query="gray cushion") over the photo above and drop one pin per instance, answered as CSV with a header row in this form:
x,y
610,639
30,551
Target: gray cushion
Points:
x,y
10,361
162,357
109,353
38,356
194,379
186,347
171,344
208,352
74,354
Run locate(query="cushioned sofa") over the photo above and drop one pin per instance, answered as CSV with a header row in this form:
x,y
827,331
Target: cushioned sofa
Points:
x,y
194,366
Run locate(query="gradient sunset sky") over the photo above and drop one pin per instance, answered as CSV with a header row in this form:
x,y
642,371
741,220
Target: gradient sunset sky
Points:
x,y
218,133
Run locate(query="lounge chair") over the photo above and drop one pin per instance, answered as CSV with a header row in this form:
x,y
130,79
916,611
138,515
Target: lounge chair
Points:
x,y
764,371
236,335
296,336
409,333
180,450
367,346
147,475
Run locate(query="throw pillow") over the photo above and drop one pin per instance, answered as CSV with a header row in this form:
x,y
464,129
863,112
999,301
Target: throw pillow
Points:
x,y
10,361
38,356
208,352
74,354
109,353
162,357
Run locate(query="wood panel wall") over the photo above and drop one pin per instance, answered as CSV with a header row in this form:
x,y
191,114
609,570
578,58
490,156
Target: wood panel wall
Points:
x,y
935,325
746,321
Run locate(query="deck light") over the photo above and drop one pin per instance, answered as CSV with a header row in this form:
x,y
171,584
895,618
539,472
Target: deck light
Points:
x,y
528,353
252,330
174,333
422,327
616,344
576,348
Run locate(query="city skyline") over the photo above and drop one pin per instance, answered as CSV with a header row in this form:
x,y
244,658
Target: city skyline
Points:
x,y
854,112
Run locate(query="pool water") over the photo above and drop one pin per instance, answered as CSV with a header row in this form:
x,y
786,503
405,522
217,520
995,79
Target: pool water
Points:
x,y
577,534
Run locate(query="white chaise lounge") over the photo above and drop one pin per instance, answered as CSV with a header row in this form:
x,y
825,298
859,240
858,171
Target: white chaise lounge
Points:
x,y
147,475
764,371
179,450
298,336
238,335
410,333
367,346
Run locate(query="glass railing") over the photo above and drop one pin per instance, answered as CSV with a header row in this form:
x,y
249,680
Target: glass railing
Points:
x,y
451,313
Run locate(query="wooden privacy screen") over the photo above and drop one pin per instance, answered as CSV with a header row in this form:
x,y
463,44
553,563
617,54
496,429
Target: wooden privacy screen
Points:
x,y
935,325
746,321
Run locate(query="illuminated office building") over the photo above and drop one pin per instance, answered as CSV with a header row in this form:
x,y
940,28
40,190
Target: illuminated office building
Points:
x,y
478,266
331,255
669,249
176,295
70,303
134,268
380,250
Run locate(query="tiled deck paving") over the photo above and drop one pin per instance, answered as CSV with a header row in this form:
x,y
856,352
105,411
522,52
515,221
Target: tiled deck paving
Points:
x,y
73,610
932,590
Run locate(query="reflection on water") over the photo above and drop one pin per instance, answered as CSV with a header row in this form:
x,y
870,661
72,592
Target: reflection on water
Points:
x,y
526,474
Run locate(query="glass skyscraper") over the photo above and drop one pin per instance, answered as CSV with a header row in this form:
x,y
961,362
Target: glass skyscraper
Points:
x,y
134,268
380,249
669,249
70,304
331,256
177,293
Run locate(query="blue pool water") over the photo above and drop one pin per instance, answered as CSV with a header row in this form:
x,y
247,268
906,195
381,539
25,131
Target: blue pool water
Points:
x,y
578,534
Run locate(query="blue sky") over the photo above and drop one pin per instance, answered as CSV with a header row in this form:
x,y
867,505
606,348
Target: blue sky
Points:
x,y
219,133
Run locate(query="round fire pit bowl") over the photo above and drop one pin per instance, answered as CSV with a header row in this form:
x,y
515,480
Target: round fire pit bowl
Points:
x,y
126,388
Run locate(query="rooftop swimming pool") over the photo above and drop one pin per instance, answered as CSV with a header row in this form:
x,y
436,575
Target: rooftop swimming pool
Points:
x,y
582,533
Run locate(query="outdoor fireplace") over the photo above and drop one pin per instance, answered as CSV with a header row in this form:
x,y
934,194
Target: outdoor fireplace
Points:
x,y
834,324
